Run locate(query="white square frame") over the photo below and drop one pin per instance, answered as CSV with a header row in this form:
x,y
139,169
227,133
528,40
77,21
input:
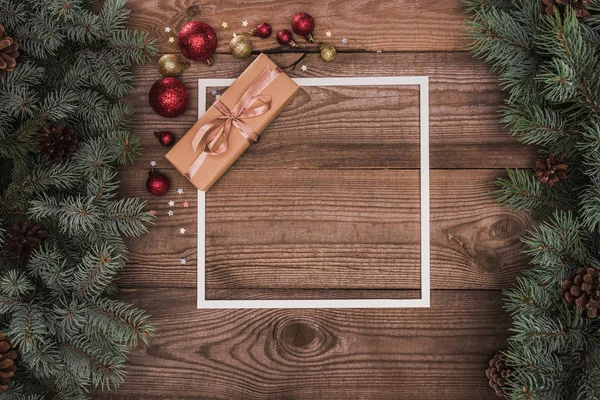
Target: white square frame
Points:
x,y
424,301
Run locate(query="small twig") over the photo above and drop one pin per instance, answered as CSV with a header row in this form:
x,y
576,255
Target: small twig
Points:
x,y
295,63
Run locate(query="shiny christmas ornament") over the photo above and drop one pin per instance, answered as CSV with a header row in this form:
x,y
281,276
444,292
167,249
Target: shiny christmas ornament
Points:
x,y
240,46
303,24
157,184
285,37
169,97
165,138
263,30
328,52
172,65
197,41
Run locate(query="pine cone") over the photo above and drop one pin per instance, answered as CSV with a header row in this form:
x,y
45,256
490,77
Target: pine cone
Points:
x,y
581,290
8,357
9,52
57,142
551,169
497,373
548,6
23,239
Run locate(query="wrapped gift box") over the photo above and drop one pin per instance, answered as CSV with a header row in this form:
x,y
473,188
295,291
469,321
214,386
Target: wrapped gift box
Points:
x,y
227,128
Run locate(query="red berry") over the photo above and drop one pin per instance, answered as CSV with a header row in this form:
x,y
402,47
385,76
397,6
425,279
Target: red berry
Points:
x,y
157,184
285,37
165,138
263,30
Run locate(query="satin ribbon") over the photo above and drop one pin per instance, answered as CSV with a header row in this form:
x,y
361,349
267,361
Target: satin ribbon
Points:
x,y
215,134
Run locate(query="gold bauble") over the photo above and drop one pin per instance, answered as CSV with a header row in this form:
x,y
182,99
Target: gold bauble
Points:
x,y
241,46
328,52
172,65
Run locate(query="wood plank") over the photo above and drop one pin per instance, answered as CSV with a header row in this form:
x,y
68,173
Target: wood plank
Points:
x,y
376,126
440,352
330,229
369,25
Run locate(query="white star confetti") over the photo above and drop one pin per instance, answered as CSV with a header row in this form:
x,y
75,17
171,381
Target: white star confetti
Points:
x,y
186,204
182,231
183,261
344,40
224,25
304,68
171,203
244,23
213,92
171,39
328,33
180,191
170,212
153,163
167,29
217,97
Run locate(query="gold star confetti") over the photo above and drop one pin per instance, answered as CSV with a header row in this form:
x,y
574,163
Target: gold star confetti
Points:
x,y
304,68
172,39
224,25
328,33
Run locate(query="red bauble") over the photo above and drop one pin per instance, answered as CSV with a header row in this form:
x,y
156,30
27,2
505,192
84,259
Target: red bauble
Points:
x,y
157,184
169,97
197,41
303,24
285,37
263,30
165,138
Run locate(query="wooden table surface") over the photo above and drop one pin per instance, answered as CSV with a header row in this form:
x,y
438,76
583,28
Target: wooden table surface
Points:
x,y
327,205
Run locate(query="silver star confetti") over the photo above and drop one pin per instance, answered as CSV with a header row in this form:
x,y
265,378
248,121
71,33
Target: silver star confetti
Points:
x,y
153,163
213,92
244,23
170,212
344,40
180,191
183,261
167,29
182,231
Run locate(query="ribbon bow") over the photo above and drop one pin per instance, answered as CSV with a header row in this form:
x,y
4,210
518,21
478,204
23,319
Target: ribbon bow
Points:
x,y
215,134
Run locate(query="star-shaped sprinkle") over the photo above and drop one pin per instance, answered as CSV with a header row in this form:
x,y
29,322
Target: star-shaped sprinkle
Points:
x,y
171,39
167,29
224,25
171,203
217,97
182,231
344,40
213,92
180,191
170,212
328,33
304,68
152,212
244,23
183,261
153,163
186,204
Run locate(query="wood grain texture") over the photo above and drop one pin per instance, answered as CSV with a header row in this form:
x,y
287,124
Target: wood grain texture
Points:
x,y
410,354
331,229
363,127
387,25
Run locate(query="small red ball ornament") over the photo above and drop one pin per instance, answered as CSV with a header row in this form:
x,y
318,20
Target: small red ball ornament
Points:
x,y
263,30
169,97
285,37
165,138
157,184
197,41
303,24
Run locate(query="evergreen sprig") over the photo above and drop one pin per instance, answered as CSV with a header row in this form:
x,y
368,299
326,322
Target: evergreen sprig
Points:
x,y
57,307
550,66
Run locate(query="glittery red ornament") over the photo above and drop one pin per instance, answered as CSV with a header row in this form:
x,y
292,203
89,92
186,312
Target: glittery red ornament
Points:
x,y
157,184
263,30
165,138
285,37
197,41
169,97
303,24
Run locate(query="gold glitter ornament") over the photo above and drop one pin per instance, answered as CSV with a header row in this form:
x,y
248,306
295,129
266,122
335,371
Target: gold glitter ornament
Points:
x,y
172,65
328,52
240,46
